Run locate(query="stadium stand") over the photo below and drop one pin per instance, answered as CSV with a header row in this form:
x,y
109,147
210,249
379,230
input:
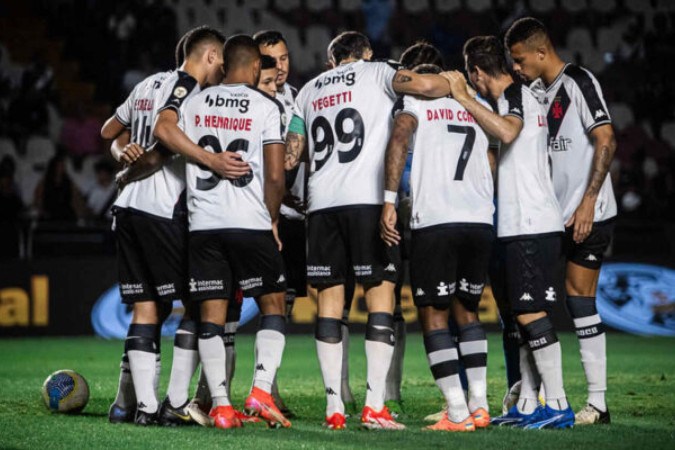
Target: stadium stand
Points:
x,y
85,49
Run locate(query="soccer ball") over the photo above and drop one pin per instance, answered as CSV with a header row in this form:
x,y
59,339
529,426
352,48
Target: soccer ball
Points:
x,y
65,391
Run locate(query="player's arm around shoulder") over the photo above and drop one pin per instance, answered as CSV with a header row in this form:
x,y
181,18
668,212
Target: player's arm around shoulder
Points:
x,y
167,131
426,85
505,128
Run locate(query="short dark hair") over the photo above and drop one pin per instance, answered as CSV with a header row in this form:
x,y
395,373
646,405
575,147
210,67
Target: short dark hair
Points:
x,y
200,35
421,52
522,30
269,37
267,62
487,53
239,50
349,44
427,68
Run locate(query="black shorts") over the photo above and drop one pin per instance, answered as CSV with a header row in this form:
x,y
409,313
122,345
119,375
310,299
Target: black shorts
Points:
x,y
591,252
532,273
447,261
294,251
222,260
344,239
152,257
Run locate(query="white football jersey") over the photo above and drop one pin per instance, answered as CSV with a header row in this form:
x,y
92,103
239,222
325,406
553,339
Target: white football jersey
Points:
x,y
347,112
526,202
159,193
575,107
450,178
237,118
295,179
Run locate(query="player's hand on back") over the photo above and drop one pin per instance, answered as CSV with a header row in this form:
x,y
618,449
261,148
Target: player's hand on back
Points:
x,y
582,219
229,165
388,231
131,153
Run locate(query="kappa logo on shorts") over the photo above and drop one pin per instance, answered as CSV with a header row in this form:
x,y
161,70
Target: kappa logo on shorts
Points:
x,y
550,294
590,257
526,297
281,279
419,292
390,268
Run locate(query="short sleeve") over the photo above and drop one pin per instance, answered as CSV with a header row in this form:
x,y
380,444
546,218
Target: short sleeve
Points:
x,y
385,74
588,98
274,127
123,112
513,102
180,92
406,104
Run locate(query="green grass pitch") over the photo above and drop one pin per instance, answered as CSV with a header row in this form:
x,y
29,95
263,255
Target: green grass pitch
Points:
x,y
641,397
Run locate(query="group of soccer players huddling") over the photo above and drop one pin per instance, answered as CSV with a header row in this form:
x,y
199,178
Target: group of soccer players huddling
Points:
x,y
237,185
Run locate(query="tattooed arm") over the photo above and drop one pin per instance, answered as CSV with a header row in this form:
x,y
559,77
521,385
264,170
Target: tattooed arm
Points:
x,y
295,150
295,143
427,85
397,150
604,143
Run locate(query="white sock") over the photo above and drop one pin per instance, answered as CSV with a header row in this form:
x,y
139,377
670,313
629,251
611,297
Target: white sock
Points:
x,y
184,364
592,346
269,344
529,382
379,351
545,347
142,354
473,350
443,360
329,350
212,355
142,365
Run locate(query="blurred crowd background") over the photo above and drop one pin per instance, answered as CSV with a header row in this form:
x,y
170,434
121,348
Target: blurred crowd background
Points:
x,y
66,64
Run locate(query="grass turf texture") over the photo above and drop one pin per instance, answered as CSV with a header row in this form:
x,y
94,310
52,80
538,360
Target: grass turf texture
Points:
x,y
641,397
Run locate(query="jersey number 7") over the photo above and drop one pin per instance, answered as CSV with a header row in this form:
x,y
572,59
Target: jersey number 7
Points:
x,y
467,147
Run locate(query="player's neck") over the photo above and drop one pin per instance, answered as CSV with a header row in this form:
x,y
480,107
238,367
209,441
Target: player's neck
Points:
x,y
239,76
553,69
497,86
195,71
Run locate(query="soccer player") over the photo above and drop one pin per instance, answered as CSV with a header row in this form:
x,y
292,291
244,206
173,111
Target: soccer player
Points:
x,y
529,226
233,239
345,112
292,220
151,228
582,146
268,75
452,236
420,52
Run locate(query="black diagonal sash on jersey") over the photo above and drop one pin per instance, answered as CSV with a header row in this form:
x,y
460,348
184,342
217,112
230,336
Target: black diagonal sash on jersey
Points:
x,y
557,111
590,94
